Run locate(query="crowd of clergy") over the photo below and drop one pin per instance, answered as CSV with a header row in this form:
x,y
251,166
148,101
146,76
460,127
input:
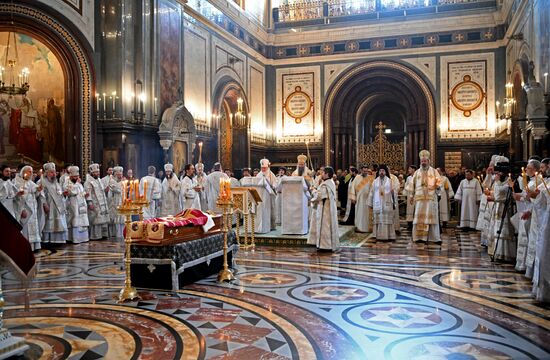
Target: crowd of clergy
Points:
x,y
510,211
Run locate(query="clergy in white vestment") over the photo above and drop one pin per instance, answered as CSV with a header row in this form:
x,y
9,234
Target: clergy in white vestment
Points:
x,y
114,197
486,184
358,193
153,193
422,192
7,189
213,186
541,203
201,181
26,206
303,170
505,248
410,206
98,208
446,192
529,220
77,208
246,174
395,184
233,181
273,182
108,177
382,200
324,224
171,193
52,206
278,200
469,194
190,188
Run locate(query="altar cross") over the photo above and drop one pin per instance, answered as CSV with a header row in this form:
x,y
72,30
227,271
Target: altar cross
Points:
x,y
380,128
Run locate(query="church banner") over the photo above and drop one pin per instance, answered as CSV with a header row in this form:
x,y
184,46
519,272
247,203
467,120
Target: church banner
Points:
x,y
297,102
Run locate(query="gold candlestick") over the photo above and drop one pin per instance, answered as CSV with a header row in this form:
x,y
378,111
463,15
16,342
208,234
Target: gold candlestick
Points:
x,y
128,293
200,152
226,205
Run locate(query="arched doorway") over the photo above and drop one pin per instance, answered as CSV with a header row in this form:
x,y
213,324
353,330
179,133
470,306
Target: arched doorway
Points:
x,y
69,47
231,108
377,91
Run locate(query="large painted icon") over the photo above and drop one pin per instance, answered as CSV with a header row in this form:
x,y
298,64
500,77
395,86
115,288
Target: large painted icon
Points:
x,y
32,126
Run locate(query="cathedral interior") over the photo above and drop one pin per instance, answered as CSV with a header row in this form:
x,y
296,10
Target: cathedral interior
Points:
x,y
140,83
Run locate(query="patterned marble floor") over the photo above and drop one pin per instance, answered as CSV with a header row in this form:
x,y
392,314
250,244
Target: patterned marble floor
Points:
x,y
373,301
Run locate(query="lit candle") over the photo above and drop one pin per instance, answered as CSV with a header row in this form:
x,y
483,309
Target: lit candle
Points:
x,y
113,94
97,99
136,187
536,180
123,191
104,104
546,83
145,190
200,152
155,107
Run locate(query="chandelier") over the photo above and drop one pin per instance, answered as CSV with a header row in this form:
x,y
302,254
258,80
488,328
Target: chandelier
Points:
x,y
239,119
12,80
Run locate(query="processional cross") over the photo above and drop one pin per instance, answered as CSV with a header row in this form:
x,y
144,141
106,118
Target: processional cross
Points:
x,y
380,128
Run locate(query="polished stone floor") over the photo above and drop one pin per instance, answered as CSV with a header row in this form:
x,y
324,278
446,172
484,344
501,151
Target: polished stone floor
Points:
x,y
370,301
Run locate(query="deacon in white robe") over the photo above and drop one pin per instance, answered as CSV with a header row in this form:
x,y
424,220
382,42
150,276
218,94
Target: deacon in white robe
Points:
x,y
358,193
7,189
446,192
26,206
422,192
324,224
273,183
469,194
190,189
213,187
52,205
531,218
486,184
116,225
410,206
201,181
98,209
153,192
77,207
382,200
171,193
246,175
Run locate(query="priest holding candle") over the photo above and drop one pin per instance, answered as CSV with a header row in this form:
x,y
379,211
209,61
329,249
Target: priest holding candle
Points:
x,y
151,188
77,209
213,186
98,208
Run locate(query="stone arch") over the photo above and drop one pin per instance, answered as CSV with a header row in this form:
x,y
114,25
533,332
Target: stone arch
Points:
x,y
378,77
177,132
74,53
234,139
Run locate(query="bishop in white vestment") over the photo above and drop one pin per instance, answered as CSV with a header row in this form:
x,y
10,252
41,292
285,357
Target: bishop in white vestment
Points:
x,y
171,193
98,209
26,206
410,206
506,247
541,203
190,189
77,208
383,201
273,183
324,224
201,181
52,204
469,194
153,188
422,192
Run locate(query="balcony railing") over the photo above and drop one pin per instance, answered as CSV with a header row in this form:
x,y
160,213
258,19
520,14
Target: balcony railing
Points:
x,y
314,12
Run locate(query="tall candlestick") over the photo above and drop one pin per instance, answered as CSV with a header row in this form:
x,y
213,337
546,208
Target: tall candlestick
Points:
x,y
104,104
200,152
145,190
546,83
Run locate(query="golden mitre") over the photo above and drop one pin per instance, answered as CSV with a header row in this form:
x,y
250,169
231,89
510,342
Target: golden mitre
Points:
x,y
424,154
302,158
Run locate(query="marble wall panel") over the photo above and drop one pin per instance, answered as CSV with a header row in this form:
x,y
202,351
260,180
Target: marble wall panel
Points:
x,y
170,23
256,99
196,73
79,12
